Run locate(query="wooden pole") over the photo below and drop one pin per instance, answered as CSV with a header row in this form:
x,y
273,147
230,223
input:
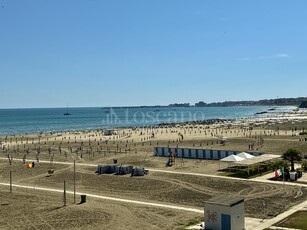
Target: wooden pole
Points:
x,y
64,193
74,181
283,175
11,182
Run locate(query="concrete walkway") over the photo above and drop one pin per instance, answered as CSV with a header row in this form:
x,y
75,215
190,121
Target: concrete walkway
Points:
x,y
270,222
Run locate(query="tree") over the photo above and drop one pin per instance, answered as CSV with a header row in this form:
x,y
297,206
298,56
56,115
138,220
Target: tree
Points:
x,y
278,164
292,155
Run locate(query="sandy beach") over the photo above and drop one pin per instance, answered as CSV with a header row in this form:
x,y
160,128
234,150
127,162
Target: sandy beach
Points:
x,y
127,115
134,146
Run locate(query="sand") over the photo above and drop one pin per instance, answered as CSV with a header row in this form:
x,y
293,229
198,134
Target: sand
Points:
x,y
135,147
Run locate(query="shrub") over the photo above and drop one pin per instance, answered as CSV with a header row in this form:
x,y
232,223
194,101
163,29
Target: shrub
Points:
x,y
304,165
278,164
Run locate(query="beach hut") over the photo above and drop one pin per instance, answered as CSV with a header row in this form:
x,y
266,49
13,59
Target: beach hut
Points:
x,y
109,132
225,212
245,155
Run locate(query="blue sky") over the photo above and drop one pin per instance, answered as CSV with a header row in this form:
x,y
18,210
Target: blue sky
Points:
x,y
141,52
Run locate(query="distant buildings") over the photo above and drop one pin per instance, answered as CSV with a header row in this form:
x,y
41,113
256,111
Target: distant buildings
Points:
x,y
266,102
180,105
200,104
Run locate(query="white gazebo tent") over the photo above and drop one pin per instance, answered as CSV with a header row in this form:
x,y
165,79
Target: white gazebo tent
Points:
x,y
245,155
256,161
232,158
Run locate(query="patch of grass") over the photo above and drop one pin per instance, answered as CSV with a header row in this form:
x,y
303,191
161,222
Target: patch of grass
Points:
x,y
296,220
194,222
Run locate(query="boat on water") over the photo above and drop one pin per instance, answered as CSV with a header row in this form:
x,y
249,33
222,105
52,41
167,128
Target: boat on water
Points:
x,y
67,113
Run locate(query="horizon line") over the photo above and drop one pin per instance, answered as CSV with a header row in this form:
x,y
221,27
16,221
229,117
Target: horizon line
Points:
x,y
139,106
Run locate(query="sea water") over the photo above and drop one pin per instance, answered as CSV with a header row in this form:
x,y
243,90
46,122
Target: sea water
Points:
x,y
22,121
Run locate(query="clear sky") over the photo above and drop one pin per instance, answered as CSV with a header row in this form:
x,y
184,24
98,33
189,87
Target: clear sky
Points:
x,y
148,52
